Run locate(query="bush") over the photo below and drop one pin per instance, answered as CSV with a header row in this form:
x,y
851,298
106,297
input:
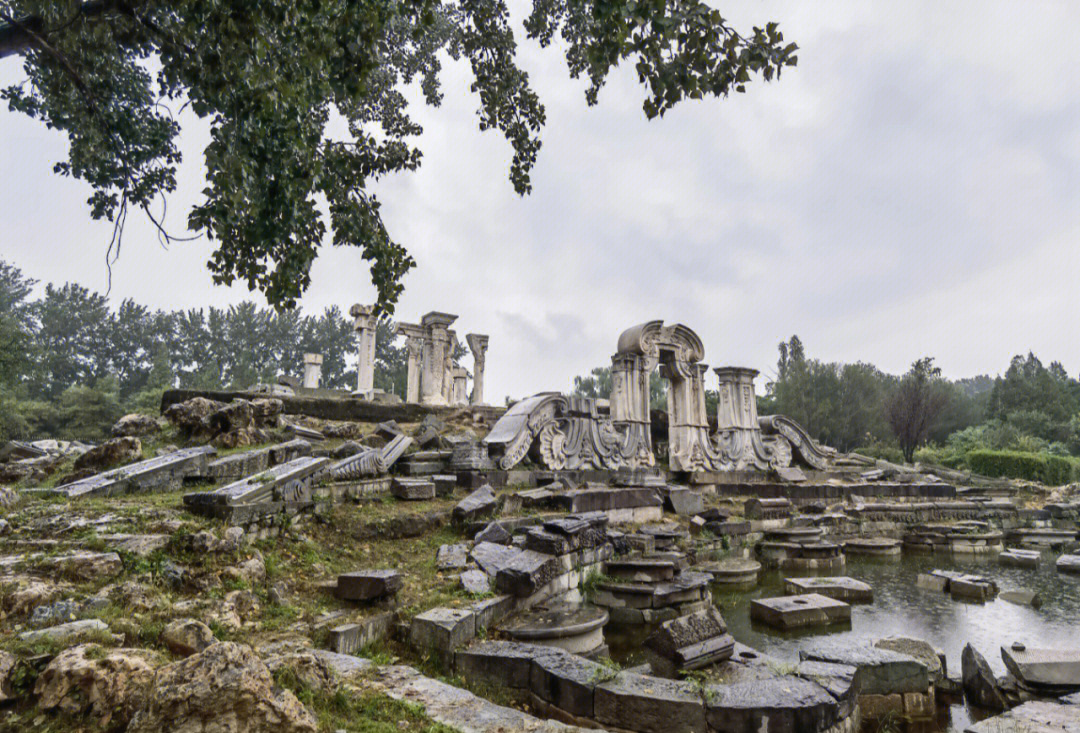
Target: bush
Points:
x,y
1049,469
881,451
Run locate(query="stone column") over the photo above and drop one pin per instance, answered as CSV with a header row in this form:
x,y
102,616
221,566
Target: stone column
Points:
x,y
478,344
436,362
460,389
364,323
414,343
312,370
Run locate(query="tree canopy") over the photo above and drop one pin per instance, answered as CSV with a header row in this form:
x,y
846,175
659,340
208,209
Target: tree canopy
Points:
x,y
270,76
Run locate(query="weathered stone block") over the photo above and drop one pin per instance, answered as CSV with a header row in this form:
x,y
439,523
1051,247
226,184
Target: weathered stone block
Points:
x,y
789,612
566,681
350,638
368,585
838,587
452,557
412,489
648,704
878,671
442,629
525,573
481,502
502,663
786,704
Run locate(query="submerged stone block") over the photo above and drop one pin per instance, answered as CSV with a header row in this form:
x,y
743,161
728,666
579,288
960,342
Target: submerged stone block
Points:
x,y
838,587
878,671
790,612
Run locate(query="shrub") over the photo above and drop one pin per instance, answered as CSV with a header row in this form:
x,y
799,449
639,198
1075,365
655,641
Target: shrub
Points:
x,y
1044,467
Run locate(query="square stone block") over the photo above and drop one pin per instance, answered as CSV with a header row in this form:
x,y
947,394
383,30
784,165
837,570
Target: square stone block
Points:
x,y
649,704
368,585
442,629
413,489
790,612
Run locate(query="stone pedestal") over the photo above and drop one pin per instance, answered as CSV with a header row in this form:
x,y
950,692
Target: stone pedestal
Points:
x,y
312,370
364,323
478,344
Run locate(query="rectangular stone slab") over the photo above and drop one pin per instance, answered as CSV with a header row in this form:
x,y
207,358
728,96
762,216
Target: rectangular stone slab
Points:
x,y
790,612
288,482
877,671
839,587
163,473
239,465
1045,667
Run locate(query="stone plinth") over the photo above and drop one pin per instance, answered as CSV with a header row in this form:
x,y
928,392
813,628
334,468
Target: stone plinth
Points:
x,y
575,630
792,612
873,547
368,585
732,572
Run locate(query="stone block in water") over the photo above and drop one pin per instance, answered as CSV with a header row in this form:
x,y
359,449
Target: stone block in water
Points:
x,y
790,612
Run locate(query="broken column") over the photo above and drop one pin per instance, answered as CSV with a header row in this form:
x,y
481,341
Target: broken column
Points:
x,y
364,323
460,389
312,370
478,344
414,345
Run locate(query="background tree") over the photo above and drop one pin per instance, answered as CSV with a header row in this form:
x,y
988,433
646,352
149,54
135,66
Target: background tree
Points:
x,y
916,405
269,76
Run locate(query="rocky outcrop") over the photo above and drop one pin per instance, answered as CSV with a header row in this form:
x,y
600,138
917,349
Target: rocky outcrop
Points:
x,y
186,636
108,684
7,666
109,454
225,688
135,425
189,417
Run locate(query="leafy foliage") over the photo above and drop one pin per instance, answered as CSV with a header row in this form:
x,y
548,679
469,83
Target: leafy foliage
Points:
x,y
272,77
1049,469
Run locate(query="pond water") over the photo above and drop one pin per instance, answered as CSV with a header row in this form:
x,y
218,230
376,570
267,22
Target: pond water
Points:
x,y
900,608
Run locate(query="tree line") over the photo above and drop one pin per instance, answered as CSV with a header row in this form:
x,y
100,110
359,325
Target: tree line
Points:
x,y
70,364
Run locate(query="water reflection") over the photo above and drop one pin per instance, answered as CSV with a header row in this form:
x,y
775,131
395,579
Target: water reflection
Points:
x,y
900,608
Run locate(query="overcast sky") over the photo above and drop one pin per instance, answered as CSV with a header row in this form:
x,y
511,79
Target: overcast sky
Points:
x,y
911,188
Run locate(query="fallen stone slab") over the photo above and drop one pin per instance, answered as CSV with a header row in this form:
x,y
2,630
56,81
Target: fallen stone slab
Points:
x,y
1022,597
973,588
492,557
239,465
1032,717
838,587
452,557
1020,558
648,704
288,482
160,474
782,704
877,671
457,708
68,631
368,585
525,573
139,545
1044,668
493,532
791,612
479,503
290,450
1068,564
685,502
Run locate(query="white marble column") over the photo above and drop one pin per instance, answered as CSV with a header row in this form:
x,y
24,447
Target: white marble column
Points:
x,y
312,370
478,344
436,384
414,345
364,323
